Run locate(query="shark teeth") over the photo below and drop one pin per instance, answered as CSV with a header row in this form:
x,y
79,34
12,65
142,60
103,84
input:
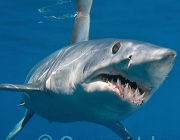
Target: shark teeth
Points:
x,y
124,88
118,82
126,92
136,93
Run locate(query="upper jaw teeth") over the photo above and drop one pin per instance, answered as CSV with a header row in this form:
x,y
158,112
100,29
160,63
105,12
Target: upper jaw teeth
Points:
x,y
118,82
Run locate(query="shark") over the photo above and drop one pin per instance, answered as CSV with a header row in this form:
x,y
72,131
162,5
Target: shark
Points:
x,y
101,81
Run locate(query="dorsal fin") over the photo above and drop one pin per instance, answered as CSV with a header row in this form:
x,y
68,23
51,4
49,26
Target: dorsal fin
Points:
x,y
82,22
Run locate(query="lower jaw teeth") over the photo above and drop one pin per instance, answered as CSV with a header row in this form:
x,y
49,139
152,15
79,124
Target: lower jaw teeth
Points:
x,y
126,92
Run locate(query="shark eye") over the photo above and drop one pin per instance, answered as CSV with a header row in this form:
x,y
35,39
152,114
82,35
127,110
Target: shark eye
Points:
x,y
115,48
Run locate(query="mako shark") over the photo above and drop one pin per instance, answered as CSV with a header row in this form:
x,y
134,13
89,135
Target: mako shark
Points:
x,y
100,81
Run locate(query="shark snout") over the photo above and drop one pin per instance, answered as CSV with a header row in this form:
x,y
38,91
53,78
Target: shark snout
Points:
x,y
170,55
167,59
149,66
161,54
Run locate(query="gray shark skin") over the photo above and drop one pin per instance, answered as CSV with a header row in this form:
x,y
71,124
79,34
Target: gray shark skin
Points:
x,y
100,81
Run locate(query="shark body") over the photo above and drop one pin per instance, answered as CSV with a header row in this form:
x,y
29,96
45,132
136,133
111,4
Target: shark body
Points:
x,y
100,81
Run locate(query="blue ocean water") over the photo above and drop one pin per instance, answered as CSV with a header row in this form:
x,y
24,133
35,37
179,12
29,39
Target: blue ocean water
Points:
x,y
31,30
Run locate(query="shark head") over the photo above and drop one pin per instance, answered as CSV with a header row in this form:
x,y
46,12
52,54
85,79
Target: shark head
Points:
x,y
133,70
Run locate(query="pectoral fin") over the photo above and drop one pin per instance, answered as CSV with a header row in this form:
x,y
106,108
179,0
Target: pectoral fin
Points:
x,y
120,130
21,88
18,127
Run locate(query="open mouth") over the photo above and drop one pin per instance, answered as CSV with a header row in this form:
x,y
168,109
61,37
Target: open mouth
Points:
x,y
131,91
